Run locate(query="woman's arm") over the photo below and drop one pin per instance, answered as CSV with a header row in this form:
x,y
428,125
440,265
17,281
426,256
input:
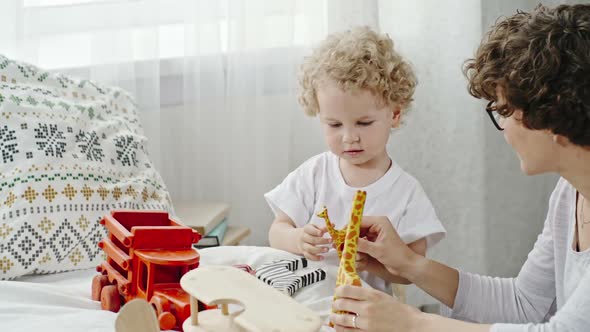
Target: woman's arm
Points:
x,y
527,298
435,323
379,312
378,269
436,279
385,245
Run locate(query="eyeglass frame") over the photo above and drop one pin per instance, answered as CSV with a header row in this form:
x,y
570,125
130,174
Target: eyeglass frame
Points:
x,y
490,111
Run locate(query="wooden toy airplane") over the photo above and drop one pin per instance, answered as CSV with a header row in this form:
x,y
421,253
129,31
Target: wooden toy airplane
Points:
x,y
264,308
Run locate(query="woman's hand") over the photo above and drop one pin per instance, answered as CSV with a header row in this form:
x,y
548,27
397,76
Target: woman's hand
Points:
x,y
364,262
311,243
382,242
375,311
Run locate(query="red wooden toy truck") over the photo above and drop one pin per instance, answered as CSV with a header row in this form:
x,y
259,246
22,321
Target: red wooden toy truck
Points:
x,y
147,254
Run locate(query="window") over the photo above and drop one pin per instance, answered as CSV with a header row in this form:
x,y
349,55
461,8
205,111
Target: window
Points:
x,y
82,33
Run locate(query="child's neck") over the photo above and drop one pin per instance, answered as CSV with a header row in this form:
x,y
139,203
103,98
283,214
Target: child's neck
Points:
x,y
359,176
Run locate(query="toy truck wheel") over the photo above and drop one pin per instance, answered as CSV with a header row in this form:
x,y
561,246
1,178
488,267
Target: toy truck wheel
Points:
x,y
98,282
110,298
165,318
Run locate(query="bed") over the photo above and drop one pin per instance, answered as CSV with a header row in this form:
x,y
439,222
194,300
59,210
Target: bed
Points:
x,y
61,301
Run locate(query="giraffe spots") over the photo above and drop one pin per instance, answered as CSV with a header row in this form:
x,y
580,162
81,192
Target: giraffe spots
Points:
x,y
345,241
323,213
348,269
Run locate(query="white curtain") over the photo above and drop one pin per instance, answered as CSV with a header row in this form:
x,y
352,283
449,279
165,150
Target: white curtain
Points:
x,y
215,81
216,85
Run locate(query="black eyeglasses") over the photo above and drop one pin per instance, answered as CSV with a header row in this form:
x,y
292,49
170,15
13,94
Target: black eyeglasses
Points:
x,y
495,116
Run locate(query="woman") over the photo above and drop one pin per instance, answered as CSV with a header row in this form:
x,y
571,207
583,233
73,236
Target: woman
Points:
x,y
535,70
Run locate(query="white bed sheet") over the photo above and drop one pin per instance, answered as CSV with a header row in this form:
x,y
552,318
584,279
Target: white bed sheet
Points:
x,y
61,302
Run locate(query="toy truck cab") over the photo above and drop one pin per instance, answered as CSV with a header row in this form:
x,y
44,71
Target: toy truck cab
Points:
x,y
158,276
147,254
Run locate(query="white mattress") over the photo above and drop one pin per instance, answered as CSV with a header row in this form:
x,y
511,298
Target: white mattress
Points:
x,y
61,302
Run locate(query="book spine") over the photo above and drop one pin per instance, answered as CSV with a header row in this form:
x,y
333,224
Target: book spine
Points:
x,y
207,241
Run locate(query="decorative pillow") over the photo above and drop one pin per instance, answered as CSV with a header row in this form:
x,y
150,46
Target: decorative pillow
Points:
x,y
70,151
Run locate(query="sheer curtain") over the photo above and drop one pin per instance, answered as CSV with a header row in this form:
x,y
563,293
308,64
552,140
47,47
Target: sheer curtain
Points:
x,y
215,81
216,86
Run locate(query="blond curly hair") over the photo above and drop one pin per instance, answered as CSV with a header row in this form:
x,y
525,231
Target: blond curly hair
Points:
x,y
357,59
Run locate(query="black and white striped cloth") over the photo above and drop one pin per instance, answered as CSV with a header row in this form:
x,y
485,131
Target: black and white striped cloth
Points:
x,y
281,275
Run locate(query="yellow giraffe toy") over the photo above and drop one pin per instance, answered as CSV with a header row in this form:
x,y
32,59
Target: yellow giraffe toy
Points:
x,y
345,241
337,236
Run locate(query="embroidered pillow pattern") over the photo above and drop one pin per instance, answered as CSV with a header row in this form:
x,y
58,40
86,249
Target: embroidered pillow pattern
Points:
x,y
70,151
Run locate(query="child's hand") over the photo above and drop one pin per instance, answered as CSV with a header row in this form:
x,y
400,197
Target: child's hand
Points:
x,y
311,242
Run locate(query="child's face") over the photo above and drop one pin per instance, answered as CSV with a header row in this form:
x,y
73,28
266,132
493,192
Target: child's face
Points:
x,y
355,125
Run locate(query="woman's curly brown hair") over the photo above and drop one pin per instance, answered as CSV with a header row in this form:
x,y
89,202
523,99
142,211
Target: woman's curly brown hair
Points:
x,y
357,59
541,61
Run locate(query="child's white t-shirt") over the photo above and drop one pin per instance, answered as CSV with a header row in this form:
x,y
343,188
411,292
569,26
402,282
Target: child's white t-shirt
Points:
x,y
318,182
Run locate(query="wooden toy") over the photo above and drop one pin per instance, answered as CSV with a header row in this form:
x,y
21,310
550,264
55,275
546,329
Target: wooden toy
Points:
x,y
346,240
147,254
262,307
281,275
137,315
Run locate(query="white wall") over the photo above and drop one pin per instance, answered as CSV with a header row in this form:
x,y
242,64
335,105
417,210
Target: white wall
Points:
x,y
441,143
493,213
516,205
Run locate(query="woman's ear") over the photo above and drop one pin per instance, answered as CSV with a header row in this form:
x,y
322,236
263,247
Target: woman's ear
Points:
x,y
561,140
397,116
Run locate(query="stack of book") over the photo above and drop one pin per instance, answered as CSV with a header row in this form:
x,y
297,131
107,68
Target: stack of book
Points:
x,y
209,219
